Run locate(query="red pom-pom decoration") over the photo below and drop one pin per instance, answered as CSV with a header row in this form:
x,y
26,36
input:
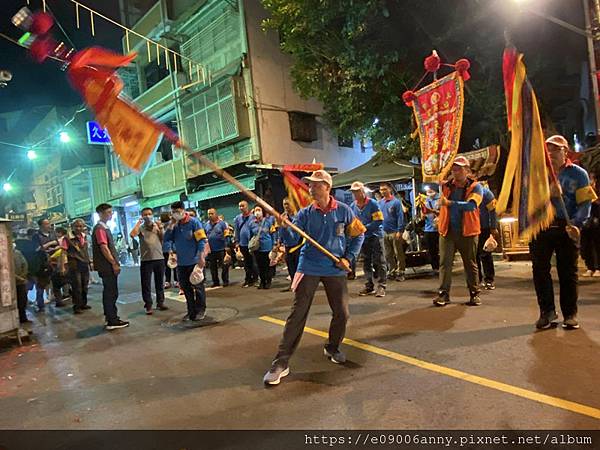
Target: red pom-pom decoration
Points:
x,y
409,97
462,67
40,49
42,22
433,62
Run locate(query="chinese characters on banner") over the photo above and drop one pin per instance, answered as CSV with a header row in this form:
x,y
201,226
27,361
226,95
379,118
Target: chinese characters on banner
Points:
x,y
438,110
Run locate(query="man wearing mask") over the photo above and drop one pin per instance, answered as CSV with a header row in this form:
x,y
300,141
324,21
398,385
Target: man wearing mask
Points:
x,y
336,228
393,227
291,242
152,259
46,243
242,234
459,229
562,237
189,239
79,266
431,211
368,212
106,263
487,218
217,231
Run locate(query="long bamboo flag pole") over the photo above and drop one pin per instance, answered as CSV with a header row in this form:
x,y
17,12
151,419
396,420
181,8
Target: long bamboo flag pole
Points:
x,y
255,198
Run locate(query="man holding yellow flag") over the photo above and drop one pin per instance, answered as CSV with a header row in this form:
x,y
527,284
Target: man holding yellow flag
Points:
x,y
551,197
561,237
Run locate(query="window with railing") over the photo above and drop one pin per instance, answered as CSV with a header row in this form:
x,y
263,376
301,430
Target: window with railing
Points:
x,y
210,117
217,37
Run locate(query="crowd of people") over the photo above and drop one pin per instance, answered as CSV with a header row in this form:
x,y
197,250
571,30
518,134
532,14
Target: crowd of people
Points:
x,y
177,249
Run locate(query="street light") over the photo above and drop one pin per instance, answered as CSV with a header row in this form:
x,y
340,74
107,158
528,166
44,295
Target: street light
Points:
x,y
31,155
7,187
64,137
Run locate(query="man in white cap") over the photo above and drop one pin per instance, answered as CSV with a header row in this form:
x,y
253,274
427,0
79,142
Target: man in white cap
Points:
x,y
369,213
459,228
562,237
336,228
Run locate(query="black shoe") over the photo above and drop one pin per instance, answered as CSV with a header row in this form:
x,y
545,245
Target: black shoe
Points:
x,y
148,310
25,321
474,300
86,307
225,284
60,304
116,325
214,285
267,286
442,299
546,320
162,307
570,323
336,357
77,311
366,291
199,317
260,286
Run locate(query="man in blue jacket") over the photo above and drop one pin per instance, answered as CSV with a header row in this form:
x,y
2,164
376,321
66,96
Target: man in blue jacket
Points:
x,y
242,234
393,227
487,218
336,228
432,237
369,213
217,231
561,238
189,238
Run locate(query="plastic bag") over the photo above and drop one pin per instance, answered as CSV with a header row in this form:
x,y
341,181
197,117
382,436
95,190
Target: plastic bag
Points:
x,y
490,245
172,261
197,275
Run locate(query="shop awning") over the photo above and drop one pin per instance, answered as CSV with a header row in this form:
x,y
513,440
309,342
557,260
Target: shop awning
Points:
x,y
161,200
378,170
222,189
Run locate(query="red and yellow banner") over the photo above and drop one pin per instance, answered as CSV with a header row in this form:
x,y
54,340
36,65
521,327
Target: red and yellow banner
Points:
x,y
297,190
134,136
438,110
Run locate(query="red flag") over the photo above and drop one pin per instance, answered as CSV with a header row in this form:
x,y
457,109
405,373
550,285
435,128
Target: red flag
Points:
x,y
297,190
134,135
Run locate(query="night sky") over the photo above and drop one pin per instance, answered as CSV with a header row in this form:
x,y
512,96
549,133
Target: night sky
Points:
x,y
35,84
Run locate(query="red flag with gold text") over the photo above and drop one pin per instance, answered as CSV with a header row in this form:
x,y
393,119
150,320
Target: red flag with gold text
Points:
x,y
438,110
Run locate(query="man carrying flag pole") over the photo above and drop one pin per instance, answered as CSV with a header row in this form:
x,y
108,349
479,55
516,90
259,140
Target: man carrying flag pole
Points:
x,y
549,214
572,200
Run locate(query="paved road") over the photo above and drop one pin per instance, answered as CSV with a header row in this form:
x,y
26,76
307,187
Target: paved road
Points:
x,y
410,365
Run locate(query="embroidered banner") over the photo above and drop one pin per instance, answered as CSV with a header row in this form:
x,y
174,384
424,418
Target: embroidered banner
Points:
x,y
438,110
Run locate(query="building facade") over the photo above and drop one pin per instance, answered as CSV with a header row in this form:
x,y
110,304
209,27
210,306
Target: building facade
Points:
x,y
236,106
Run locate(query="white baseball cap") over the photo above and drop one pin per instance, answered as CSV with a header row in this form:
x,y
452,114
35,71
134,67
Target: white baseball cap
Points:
x,y
558,140
320,175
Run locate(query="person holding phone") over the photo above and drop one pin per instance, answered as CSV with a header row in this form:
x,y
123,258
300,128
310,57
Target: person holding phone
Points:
x,y
152,260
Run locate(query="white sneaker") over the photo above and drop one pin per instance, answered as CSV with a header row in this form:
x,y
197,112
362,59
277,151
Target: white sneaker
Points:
x,y
596,274
588,273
